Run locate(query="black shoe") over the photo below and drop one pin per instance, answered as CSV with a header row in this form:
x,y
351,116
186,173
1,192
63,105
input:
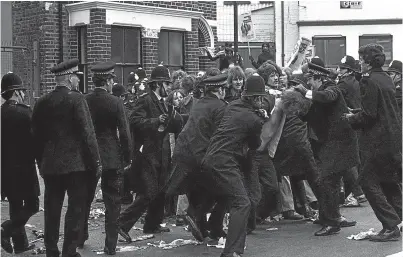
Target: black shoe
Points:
x,y
5,242
156,231
387,235
125,235
109,251
345,223
292,215
194,229
327,231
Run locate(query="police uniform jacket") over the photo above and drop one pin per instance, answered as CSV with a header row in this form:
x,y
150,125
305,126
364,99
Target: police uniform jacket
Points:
x,y
337,141
155,157
240,127
108,116
351,91
64,133
18,172
381,128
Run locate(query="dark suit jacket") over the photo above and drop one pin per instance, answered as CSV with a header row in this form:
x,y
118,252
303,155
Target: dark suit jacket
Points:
x,y
109,118
155,157
338,145
64,133
18,171
351,91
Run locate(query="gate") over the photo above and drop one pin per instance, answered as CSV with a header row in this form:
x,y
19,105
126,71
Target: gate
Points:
x,y
20,60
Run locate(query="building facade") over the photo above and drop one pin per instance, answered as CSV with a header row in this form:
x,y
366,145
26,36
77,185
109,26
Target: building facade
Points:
x,y
337,28
133,34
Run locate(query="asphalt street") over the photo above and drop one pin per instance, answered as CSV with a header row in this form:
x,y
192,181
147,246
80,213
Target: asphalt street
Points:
x,y
286,239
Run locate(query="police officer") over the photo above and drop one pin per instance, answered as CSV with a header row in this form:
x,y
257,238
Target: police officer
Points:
x,y
153,119
380,142
335,146
119,91
191,147
67,154
239,127
109,116
19,180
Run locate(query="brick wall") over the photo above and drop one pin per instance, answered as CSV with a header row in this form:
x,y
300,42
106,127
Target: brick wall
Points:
x,y
150,53
98,39
40,21
209,8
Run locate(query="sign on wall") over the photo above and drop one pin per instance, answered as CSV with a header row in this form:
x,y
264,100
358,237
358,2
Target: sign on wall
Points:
x,y
350,4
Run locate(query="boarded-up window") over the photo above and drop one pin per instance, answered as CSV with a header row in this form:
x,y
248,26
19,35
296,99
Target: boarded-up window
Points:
x,y
330,49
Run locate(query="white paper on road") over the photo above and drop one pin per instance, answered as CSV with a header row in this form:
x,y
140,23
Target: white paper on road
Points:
x,y
220,245
362,235
30,226
272,229
140,238
176,243
121,249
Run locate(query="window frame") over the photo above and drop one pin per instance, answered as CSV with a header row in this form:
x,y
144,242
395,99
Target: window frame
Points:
x,y
172,67
324,37
367,36
82,39
124,64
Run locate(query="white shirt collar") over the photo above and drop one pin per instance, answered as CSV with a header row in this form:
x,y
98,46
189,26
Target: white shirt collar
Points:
x,y
102,88
158,97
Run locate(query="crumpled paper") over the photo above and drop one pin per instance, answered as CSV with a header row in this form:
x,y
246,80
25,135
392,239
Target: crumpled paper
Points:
x,y
271,229
220,245
121,249
97,213
30,226
176,243
98,196
41,250
38,233
140,238
363,235
351,202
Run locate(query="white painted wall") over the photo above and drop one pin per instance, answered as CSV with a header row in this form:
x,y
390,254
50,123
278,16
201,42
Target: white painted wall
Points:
x,y
330,10
352,34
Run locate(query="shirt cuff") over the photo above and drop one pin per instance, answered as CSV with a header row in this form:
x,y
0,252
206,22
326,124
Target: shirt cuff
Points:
x,y
308,94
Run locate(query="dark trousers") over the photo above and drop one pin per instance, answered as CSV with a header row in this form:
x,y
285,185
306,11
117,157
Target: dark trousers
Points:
x,y
111,186
329,210
56,186
155,212
21,210
350,183
385,200
269,188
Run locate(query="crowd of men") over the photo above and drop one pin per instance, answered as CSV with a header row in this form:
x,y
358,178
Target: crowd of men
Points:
x,y
253,143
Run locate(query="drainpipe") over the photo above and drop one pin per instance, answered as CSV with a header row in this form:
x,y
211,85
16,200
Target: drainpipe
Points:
x,y
235,28
60,31
282,33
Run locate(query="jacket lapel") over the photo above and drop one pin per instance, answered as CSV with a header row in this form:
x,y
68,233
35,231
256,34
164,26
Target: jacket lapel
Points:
x,y
157,102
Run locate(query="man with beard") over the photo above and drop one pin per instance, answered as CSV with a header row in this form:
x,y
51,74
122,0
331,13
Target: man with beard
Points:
x,y
335,148
264,56
113,136
240,127
19,180
154,120
191,147
395,72
380,142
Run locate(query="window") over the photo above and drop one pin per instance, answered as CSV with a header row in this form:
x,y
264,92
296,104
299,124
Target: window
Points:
x,y
83,66
171,49
126,51
330,49
384,40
